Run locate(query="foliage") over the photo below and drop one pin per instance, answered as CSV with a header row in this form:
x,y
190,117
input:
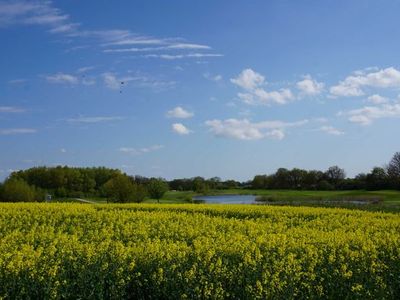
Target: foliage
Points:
x,y
67,181
393,170
121,189
53,251
157,188
17,190
332,179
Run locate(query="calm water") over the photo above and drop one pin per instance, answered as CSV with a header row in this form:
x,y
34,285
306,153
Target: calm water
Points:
x,y
227,199
251,199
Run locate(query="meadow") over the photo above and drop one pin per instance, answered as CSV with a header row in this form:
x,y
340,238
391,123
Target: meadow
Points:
x,y
383,200
148,251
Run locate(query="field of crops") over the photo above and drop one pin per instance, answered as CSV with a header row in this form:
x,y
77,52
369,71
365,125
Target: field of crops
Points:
x,y
197,251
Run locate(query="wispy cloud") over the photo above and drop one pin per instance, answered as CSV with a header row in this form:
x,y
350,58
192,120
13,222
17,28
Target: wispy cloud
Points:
x,y
115,82
85,69
331,130
138,151
216,78
245,130
14,131
179,113
252,83
11,109
130,39
65,28
180,129
31,13
43,13
177,46
17,81
182,56
62,78
92,120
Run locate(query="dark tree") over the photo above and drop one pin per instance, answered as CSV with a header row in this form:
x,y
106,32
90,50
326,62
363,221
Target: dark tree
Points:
x,y
393,170
17,190
334,175
157,188
121,189
377,179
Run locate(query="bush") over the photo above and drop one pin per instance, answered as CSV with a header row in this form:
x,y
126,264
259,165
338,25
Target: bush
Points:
x,y
157,188
17,190
121,189
324,186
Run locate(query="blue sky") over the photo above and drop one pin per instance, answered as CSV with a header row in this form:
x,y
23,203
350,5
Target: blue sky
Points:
x,y
209,88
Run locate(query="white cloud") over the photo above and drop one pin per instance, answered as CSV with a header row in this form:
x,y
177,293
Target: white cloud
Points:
x,y
181,56
215,78
113,82
321,120
245,130
189,46
181,46
30,12
65,28
309,86
353,85
377,99
137,40
252,83
277,134
262,97
42,12
84,69
17,81
90,120
331,130
248,79
366,115
12,131
11,109
346,90
180,129
88,81
138,151
63,150
179,113
62,78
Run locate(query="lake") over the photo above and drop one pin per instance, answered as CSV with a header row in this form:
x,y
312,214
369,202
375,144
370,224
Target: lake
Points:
x,y
251,199
226,199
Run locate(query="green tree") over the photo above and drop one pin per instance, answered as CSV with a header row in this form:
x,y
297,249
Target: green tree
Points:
x,y
377,179
157,188
334,175
119,189
17,190
393,170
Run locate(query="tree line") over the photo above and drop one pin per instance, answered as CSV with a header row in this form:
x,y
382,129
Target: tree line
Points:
x,y
334,178
36,183
69,182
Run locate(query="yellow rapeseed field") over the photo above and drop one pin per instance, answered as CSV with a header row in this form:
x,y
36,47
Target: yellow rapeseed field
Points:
x,y
56,251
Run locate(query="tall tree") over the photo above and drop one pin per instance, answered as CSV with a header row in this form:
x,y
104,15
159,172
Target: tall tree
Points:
x,y
393,170
17,190
335,175
157,188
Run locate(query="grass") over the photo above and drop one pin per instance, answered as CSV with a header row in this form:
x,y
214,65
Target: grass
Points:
x,y
388,200
385,200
